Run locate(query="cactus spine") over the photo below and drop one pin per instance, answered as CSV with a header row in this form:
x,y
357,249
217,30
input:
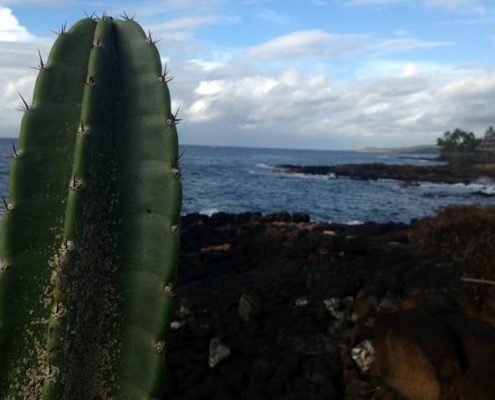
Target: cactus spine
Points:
x,y
89,240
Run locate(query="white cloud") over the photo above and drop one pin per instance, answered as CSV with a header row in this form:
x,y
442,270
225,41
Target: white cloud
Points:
x,y
273,16
184,23
469,6
153,8
36,2
229,96
15,76
321,45
314,43
411,103
208,88
10,29
409,70
407,44
207,65
372,2
18,48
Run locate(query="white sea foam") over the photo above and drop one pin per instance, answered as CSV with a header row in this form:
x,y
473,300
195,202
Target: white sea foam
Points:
x,y
309,176
480,186
209,211
354,222
264,166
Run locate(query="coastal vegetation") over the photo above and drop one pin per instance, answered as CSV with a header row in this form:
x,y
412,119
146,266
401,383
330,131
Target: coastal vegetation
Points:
x,y
462,147
458,141
466,159
466,234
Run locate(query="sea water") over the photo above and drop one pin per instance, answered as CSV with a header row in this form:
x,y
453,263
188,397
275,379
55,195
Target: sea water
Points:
x,y
234,179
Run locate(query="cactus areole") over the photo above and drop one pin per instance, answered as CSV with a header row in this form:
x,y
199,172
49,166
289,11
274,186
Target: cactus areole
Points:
x,y
89,239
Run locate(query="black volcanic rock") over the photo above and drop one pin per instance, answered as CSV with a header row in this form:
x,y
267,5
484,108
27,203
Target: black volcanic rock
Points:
x,y
374,171
262,285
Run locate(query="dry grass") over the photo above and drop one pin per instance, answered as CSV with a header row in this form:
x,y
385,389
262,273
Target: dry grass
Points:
x,y
464,233
485,168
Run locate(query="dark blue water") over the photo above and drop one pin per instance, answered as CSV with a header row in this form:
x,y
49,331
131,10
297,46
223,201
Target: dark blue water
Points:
x,y
243,179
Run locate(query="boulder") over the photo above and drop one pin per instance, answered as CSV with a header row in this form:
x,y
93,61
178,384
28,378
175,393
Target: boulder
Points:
x,y
414,355
300,217
476,339
478,383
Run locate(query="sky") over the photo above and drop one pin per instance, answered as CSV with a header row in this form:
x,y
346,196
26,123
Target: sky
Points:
x,y
315,74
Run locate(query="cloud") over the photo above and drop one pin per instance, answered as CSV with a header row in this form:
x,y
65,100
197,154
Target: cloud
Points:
x,y
19,51
10,29
313,43
407,44
469,6
234,96
184,23
372,2
409,104
157,8
322,45
179,29
273,16
207,65
16,76
36,2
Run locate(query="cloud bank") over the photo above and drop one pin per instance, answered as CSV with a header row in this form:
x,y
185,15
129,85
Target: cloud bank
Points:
x,y
286,91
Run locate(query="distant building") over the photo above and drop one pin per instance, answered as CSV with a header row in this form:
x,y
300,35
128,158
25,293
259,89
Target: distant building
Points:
x,y
488,142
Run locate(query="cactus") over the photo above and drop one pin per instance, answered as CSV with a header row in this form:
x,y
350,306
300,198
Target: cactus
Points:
x,y
89,240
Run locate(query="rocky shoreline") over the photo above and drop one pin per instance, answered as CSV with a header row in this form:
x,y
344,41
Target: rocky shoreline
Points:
x,y
277,307
449,173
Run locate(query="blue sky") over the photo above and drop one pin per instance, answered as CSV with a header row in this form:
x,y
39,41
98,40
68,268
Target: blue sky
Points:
x,y
334,74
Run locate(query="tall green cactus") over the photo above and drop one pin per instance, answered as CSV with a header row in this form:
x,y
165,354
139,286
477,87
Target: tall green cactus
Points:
x,y
89,240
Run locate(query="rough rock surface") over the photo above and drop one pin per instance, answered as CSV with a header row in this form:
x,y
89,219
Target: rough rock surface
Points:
x,y
403,172
293,301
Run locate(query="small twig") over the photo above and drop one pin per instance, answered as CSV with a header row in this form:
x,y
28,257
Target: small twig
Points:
x,y
481,281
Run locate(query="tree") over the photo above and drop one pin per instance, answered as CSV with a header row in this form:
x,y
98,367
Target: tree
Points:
x,y
490,133
458,141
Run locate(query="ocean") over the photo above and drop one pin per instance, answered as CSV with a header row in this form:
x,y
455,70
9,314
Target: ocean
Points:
x,y
233,179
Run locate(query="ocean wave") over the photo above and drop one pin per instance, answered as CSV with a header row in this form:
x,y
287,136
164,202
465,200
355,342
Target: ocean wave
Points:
x,y
264,166
354,222
485,180
209,211
309,176
477,186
